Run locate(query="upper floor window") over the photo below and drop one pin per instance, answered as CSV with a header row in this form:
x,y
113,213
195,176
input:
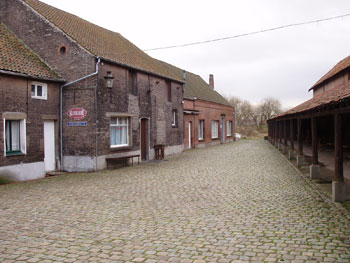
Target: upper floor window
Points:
x,y
201,130
39,91
229,128
132,82
174,118
215,129
119,132
15,137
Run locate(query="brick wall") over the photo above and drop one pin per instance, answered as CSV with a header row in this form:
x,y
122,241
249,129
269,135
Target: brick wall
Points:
x,y
15,96
208,112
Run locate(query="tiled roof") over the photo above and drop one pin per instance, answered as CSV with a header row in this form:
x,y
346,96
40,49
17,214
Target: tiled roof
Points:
x,y
342,65
100,41
331,96
16,57
196,87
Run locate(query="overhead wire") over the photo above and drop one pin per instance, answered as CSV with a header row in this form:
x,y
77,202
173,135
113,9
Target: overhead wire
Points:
x,y
250,33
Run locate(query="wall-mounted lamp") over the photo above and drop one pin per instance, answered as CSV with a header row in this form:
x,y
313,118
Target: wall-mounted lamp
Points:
x,y
109,79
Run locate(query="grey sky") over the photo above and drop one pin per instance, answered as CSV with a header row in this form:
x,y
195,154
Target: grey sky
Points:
x,y
283,64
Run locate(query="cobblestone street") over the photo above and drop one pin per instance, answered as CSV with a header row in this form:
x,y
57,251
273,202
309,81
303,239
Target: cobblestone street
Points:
x,y
239,202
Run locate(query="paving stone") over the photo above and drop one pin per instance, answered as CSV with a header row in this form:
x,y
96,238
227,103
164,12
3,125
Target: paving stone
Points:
x,y
238,202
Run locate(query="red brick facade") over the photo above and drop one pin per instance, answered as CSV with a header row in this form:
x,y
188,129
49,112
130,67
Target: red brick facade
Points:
x,y
196,110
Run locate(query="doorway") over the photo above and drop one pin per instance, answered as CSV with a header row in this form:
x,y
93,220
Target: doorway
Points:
x,y
144,139
49,146
223,123
189,135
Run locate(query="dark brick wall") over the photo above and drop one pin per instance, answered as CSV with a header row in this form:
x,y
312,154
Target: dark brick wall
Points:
x,y
150,101
15,96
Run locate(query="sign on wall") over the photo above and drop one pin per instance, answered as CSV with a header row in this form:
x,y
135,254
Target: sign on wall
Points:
x,y
77,113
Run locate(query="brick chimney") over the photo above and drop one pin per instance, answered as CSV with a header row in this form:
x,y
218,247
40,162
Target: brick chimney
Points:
x,y
211,81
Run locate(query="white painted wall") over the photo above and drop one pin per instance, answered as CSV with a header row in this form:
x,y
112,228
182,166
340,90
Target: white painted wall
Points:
x,y
23,172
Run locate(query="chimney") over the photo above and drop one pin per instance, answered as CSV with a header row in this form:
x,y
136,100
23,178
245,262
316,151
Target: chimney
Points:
x,y
211,81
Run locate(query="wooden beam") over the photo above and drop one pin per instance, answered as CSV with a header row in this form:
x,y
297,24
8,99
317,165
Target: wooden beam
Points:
x,y
314,141
300,137
285,143
338,151
291,134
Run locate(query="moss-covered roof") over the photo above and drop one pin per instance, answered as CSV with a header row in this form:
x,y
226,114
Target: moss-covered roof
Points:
x,y
16,57
196,87
100,41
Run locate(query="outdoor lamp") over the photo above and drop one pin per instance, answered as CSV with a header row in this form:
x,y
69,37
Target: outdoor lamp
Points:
x,y
109,79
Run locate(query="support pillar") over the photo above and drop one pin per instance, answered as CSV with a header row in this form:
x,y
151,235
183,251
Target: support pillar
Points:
x,y
285,141
338,185
314,167
300,156
291,138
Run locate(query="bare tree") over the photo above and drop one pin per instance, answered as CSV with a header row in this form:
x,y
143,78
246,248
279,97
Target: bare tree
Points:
x,y
243,109
269,107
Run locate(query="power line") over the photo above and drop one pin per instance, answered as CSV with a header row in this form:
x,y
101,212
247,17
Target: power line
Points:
x,y
251,33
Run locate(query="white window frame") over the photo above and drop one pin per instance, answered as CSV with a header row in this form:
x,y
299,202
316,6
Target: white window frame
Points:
x,y
22,137
215,129
229,129
120,125
201,130
174,118
44,90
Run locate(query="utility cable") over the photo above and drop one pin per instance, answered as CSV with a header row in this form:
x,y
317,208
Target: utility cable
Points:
x,y
251,33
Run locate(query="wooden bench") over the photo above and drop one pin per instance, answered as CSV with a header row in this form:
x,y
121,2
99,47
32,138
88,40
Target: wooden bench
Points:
x,y
110,160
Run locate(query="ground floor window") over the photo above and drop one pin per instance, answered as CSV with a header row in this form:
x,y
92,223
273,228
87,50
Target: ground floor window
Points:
x,y
15,137
201,130
119,132
215,129
229,128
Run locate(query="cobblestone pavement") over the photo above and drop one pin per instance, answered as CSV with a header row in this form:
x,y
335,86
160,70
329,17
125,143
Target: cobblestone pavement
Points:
x,y
239,202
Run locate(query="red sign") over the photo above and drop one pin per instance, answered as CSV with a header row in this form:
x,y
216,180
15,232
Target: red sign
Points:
x,y
77,113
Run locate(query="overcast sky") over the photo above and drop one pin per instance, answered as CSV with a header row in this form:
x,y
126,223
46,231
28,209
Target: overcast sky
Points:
x,y
282,64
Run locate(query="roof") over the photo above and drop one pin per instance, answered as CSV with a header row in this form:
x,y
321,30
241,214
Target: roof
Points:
x,y
341,66
101,42
16,57
196,87
331,96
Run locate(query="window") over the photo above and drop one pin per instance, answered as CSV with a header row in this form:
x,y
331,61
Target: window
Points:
x,y
132,85
174,118
201,130
229,128
15,137
215,129
168,83
39,91
119,132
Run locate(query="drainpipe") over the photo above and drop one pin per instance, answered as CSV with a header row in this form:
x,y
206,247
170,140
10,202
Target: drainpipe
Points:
x,y
61,106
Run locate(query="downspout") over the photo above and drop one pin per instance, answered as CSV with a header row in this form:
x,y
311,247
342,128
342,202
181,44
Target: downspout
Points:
x,y
61,106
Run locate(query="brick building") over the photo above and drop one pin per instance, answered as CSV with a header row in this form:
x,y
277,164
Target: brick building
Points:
x,y
117,100
29,105
209,119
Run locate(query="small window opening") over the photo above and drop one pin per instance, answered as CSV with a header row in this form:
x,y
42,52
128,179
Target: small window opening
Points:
x,y
63,50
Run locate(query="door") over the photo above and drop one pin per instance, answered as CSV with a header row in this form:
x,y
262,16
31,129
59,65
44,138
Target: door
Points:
x,y
223,124
144,136
189,135
49,146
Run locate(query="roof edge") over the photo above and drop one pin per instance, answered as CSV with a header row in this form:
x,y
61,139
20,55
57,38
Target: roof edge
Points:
x,y
13,73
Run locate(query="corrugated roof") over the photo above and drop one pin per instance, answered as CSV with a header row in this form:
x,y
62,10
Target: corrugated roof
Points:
x,y
16,57
100,41
342,65
196,87
330,96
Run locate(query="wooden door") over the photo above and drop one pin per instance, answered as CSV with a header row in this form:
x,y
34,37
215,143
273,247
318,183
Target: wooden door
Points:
x,y
49,146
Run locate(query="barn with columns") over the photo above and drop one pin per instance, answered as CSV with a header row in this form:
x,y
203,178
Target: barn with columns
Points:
x,y
317,132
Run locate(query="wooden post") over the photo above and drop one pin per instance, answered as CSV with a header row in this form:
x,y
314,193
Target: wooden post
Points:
x,y
300,137
281,131
314,141
285,143
338,150
291,134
